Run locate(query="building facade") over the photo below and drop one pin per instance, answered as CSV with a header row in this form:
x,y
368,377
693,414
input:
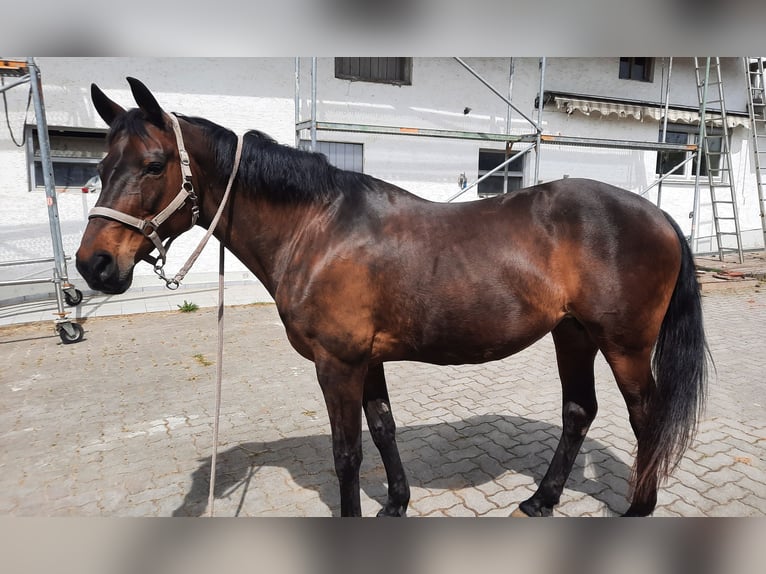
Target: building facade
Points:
x,y
616,99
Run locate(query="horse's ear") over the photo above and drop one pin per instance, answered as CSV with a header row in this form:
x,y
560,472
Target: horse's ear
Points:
x,y
147,102
106,108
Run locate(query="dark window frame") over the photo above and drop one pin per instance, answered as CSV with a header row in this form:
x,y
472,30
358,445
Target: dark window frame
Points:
x,y
305,144
394,71
73,165
488,159
639,69
666,161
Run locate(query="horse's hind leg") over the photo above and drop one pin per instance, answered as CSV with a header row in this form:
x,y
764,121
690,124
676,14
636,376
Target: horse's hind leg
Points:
x,y
377,409
633,373
575,354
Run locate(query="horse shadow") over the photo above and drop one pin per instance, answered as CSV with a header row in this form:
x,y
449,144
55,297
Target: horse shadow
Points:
x,y
447,455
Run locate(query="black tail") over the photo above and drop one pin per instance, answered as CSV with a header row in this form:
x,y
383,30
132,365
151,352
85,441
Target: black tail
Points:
x,y
680,371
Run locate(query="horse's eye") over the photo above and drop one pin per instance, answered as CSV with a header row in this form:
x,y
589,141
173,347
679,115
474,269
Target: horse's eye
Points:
x,y
155,168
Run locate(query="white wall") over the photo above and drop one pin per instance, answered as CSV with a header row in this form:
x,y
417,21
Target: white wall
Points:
x,y
238,93
243,93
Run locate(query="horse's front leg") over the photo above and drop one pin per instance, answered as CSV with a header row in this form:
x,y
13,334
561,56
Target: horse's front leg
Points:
x,y
343,387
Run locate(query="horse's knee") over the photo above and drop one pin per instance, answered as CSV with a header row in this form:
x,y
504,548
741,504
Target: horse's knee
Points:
x,y
347,462
577,417
383,431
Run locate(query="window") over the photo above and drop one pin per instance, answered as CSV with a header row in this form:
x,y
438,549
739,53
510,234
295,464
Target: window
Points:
x,y
640,69
348,156
493,185
397,71
684,135
74,153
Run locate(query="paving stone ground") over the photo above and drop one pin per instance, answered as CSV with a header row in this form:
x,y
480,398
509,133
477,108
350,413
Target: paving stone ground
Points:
x,y
120,425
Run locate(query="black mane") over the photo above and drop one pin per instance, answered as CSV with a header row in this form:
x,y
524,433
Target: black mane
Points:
x,y
284,173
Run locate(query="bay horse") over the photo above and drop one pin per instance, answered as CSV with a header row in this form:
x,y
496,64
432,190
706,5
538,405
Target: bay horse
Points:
x,y
363,272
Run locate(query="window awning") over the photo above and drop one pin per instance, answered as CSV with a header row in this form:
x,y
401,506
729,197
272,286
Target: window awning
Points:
x,y
605,108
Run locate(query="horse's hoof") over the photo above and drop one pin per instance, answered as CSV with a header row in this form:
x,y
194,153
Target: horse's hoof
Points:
x,y
519,513
398,511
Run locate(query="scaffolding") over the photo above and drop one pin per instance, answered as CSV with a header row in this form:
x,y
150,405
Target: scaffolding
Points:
x,y
756,106
27,72
532,141
723,198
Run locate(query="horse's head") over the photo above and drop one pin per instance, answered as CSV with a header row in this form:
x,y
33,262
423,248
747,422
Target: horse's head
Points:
x,y
140,203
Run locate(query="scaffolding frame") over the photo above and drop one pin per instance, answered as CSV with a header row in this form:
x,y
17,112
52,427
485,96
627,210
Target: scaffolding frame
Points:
x,y
70,332
755,76
535,139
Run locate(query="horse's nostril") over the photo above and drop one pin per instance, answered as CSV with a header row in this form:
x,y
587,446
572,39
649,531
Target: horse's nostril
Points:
x,y
97,269
102,265
102,273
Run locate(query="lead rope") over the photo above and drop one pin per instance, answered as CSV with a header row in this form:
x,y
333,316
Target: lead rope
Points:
x,y
219,378
219,361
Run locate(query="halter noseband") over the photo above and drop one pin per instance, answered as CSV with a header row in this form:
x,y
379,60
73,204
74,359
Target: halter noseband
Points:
x,y
149,226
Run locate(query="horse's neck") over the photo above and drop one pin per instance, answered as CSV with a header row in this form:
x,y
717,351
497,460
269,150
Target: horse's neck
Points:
x,y
263,234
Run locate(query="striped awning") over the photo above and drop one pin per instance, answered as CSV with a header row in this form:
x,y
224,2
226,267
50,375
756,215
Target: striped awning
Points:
x,y
640,112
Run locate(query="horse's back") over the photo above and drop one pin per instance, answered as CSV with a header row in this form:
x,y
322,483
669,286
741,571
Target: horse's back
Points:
x,y
502,272
476,281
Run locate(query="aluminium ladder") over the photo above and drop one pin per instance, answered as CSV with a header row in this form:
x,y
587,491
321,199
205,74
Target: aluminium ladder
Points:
x,y
718,156
756,107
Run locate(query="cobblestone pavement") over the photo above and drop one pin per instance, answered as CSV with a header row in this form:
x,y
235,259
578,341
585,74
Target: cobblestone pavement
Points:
x,y
120,425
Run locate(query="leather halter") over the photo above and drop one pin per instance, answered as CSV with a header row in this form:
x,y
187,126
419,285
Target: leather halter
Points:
x,y
150,225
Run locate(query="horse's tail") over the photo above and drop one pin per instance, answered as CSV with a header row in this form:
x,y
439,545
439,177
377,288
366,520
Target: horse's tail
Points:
x,y
680,371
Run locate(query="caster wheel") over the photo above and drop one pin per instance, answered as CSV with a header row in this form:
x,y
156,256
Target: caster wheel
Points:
x,y
73,300
71,333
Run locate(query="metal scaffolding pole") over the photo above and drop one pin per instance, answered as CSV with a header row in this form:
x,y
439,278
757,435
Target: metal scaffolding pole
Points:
x,y
313,103
47,169
539,124
666,99
508,145
496,92
698,167
64,290
297,100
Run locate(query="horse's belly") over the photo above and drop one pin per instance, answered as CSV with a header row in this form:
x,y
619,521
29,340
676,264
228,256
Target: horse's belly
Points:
x,y
473,338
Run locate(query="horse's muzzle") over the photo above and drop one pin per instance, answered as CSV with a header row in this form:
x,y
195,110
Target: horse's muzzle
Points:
x,y
102,273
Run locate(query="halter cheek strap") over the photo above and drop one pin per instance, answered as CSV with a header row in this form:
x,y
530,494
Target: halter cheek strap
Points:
x,y
149,226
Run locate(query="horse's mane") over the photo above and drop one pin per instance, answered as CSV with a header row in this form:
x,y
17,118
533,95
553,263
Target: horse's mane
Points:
x,y
284,173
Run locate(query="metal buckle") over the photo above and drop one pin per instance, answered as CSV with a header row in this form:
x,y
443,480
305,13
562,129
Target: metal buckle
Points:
x,y
159,270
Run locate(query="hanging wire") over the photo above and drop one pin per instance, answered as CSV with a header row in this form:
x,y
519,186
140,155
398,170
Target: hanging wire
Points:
x,y
8,119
